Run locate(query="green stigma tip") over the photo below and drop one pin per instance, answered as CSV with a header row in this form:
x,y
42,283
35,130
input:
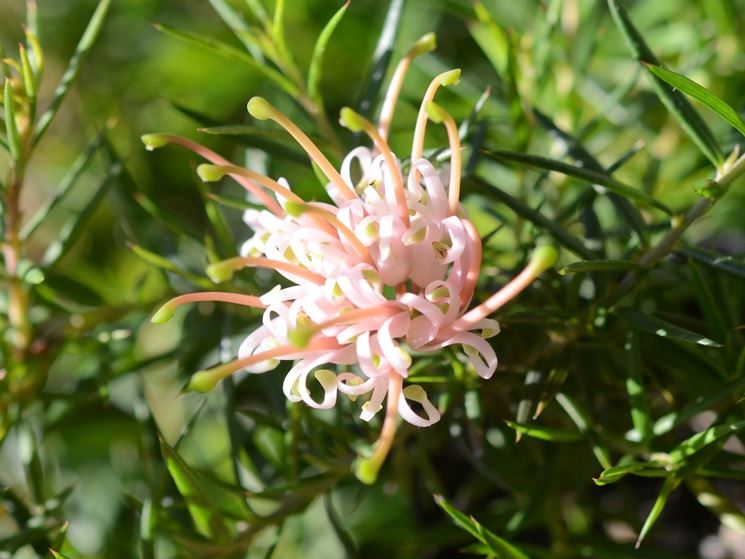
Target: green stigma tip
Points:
x,y
154,141
210,173
426,43
351,120
163,314
366,470
259,108
450,78
220,272
543,258
202,381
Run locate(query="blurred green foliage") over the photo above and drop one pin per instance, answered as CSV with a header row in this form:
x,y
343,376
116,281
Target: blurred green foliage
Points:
x,y
617,409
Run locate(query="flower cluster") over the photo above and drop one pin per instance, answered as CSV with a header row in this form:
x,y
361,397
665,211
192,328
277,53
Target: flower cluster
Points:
x,y
387,269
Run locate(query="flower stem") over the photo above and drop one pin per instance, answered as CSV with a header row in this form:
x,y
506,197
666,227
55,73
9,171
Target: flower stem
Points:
x,y
367,469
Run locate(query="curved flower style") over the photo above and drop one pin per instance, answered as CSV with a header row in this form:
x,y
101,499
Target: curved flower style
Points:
x,y
390,267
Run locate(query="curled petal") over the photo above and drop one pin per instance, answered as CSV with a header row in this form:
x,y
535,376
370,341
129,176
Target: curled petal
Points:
x,y
368,230
368,355
357,288
276,320
397,358
295,385
416,393
375,403
479,352
458,238
445,294
354,385
259,340
489,327
363,156
424,328
436,207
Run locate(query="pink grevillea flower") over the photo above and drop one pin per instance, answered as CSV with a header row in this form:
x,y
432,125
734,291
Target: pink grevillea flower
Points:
x,y
387,269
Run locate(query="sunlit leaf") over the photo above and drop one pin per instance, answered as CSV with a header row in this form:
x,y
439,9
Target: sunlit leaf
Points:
x,y
228,52
74,226
65,185
581,173
545,433
316,61
542,222
501,548
659,327
700,441
675,101
88,39
614,474
671,483
204,511
381,58
700,93
591,266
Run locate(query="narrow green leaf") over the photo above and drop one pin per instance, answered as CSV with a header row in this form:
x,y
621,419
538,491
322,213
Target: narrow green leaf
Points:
x,y
220,227
58,555
92,30
713,304
197,116
581,173
668,487
681,453
659,327
270,442
545,433
583,421
174,222
233,20
491,38
699,92
242,130
614,474
259,12
29,79
675,101
36,56
270,141
640,415
65,185
538,219
668,422
316,61
32,17
629,213
342,534
278,31
500,547
723,262
370,94
11,128
229,53
232,202
168,266
203,510
588,266
74,227
527,405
